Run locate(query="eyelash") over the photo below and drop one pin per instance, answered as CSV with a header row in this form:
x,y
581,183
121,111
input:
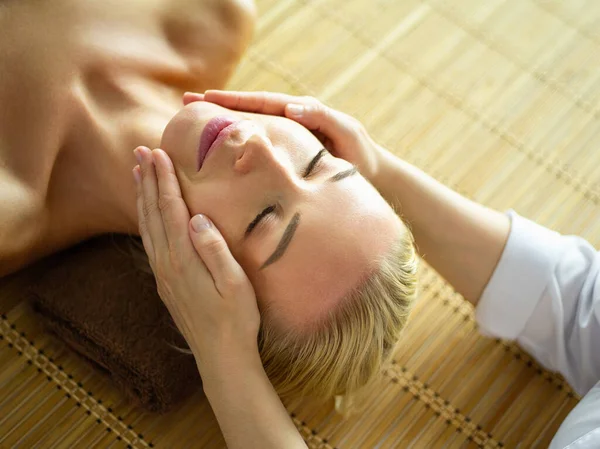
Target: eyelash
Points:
x,y
267,211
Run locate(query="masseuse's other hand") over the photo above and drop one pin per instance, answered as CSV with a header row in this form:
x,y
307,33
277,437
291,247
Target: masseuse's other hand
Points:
x,y
341,134
206,291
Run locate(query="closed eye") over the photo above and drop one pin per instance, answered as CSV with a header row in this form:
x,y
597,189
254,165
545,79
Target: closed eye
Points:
x,y
266,211
310,169
314,163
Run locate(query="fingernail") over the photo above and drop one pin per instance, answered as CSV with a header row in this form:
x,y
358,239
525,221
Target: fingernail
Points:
x,y
136,174
200,223
295,110
138,155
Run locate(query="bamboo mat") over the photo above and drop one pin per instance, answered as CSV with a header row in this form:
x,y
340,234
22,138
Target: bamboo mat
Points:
x,y
497,99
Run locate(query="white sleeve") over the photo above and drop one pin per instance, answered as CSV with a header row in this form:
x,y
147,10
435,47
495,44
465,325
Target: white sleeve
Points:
x,y
545,293
581,429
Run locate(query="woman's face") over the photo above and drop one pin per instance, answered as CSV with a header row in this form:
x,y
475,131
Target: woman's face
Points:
x,y
304,225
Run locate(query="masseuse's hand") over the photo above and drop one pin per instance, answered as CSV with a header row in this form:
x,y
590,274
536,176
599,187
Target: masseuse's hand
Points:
x,y
213,304
206,291
342,135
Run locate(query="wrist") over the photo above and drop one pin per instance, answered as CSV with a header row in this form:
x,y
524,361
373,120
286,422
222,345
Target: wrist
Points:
x,y
217,365
382,162
229,374
224,348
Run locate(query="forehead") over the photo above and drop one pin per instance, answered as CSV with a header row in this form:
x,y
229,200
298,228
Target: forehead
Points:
x,y
338,243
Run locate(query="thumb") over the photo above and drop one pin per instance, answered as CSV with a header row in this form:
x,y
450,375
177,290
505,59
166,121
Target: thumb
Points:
x,y
191,97
214,252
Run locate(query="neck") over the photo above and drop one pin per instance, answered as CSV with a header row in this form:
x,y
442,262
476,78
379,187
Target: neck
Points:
x,y
101,148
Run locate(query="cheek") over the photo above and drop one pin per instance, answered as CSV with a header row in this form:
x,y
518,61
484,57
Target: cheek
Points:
x,y
223,204
210,198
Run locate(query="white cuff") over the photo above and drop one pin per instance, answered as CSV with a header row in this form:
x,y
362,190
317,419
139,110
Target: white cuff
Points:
x,y
519,280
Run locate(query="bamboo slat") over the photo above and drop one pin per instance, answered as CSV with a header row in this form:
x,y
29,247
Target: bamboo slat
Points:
x,y
500,100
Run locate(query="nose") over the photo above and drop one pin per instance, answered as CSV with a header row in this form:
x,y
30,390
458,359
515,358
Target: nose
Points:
x,y
258,155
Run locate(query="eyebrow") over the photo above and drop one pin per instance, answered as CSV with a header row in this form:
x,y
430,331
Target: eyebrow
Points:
x,y
292,226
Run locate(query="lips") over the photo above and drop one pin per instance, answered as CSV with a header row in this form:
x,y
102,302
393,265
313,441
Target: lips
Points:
x,y
210,134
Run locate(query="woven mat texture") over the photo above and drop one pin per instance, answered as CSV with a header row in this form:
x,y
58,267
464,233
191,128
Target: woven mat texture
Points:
x,y
497,99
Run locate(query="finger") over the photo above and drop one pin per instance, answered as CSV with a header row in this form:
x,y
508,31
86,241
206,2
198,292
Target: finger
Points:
x,y
150,211
214,252
270,103
322,119
147,242
174,211
191,97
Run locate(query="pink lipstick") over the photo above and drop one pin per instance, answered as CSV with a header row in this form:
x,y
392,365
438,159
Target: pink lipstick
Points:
x,y
209,136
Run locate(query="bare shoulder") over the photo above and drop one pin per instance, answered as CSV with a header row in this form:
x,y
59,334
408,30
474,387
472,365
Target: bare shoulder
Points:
x,y
31,227
212,35
228,14
22,225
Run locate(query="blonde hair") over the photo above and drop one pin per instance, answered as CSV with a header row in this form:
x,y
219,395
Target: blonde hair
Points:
x,y
342,356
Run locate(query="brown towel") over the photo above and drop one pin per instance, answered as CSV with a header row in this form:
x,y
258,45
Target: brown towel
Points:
x,y
95,298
